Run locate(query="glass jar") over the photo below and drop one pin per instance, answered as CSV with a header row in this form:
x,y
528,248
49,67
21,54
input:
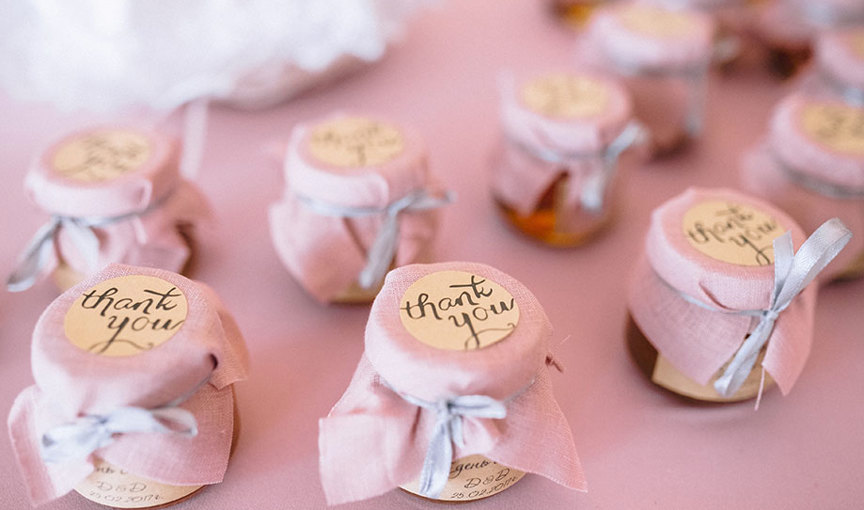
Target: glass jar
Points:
x,y
663,56
554,174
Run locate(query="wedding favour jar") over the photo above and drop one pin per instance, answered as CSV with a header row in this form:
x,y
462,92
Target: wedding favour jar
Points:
x,y
839,65
359,200
452,398
564,134
574,12
788,28
664,56
133,402
811,165
721,304
115,195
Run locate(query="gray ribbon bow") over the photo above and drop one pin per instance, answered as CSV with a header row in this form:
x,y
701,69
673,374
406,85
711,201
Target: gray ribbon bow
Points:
x,y
447,432
76,440
383,249
792,273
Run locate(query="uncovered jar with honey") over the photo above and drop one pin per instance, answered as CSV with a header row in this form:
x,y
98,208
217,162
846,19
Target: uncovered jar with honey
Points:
x,y
811,165
564,134
721,304
115,195
359,200
452,398
133,403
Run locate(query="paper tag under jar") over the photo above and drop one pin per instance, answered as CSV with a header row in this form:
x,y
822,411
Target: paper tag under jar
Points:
x,y
111,486
351,142
656,21
102,156
473,477
566,96
125,316
732,232
455,310
836,126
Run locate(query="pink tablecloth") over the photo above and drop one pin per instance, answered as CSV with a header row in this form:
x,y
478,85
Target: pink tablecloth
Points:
x,y
640,447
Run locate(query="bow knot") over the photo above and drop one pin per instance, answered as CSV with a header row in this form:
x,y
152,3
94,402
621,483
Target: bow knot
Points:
x,y
77,439
793,272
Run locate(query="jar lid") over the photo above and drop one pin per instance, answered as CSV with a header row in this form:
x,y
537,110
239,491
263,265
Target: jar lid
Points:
x,y
637,36
355,160
840,54
822,138
104,171
458,328
565,111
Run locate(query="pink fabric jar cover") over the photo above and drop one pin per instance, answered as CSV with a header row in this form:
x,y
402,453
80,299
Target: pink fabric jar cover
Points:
x,y
326,253
375,427
689,305
71,383
800,175
538,148
797,22
135,216
840,59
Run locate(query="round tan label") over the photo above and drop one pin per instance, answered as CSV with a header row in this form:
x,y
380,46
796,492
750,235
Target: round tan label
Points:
x,y
102,156
458,311
474,477
111,486
838,127
355,142
656,21
566,96
731,232
125,316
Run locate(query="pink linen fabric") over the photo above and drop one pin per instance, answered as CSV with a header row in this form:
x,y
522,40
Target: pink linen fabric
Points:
x,y
372,426
520,178
150,239
798,22
71,382
325,254
697,341
838,59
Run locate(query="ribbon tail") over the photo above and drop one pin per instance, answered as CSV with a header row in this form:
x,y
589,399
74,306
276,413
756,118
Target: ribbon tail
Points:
x,y
35,258
436,465
86,240
741,365
381,253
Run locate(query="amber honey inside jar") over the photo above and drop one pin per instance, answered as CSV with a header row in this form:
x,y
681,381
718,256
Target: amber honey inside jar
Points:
x,y
565,136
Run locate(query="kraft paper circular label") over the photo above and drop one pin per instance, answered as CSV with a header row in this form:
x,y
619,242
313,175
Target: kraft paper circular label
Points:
x,y
732,232
473,477
836,126
566,96
102,156
126,316
111,486
458,311
657,22
355,142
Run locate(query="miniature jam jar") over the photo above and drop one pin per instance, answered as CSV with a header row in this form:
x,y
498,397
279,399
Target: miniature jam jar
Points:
x,y
788,28
451,393
812,166
664,56
115,195
721,296
358,201
553,177
133,405
839,69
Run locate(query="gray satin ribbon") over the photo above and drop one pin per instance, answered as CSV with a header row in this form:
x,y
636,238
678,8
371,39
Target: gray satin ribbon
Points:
x,y
77,439
383,249
447,432
40,250
792,273
593,192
